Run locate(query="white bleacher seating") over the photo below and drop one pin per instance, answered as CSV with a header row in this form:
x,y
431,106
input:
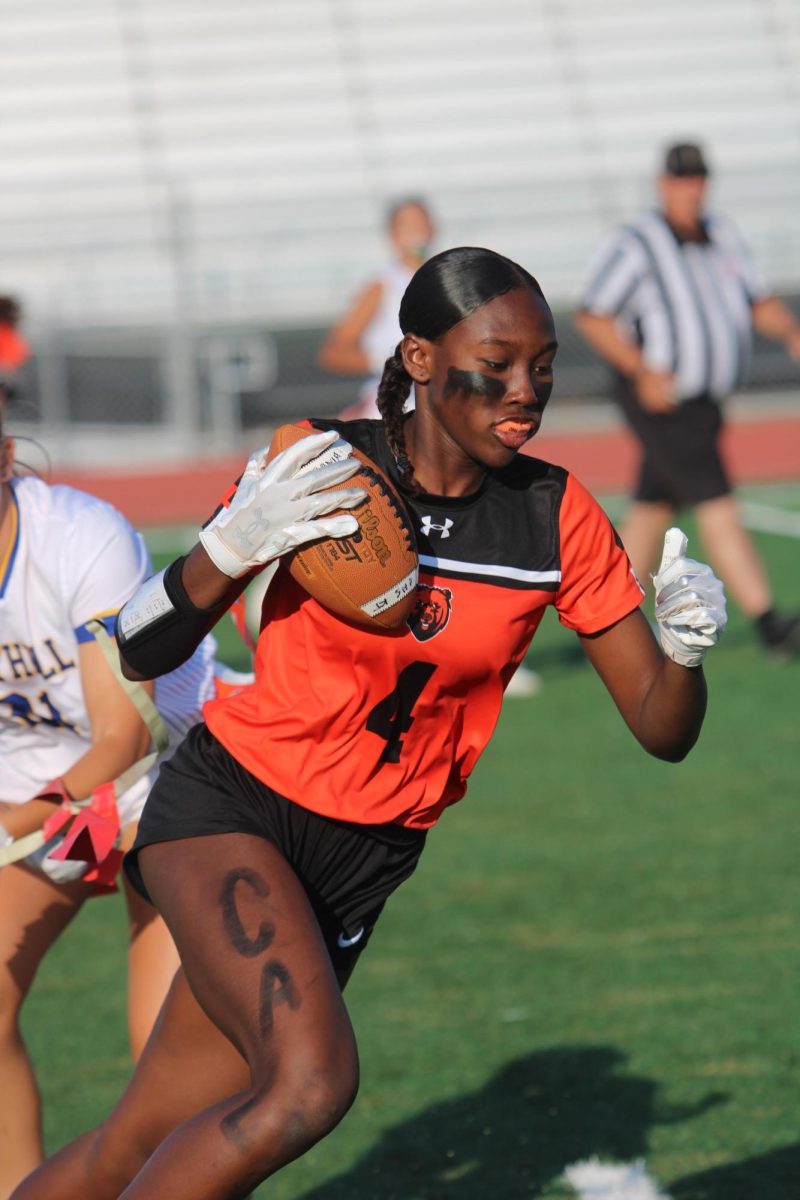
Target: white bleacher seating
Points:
x,y
246,151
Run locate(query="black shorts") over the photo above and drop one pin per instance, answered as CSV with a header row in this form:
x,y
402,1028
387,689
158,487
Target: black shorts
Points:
x,y
348,871
681,464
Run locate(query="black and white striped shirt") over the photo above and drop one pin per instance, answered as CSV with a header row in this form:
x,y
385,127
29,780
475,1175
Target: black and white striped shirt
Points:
x,y
688,304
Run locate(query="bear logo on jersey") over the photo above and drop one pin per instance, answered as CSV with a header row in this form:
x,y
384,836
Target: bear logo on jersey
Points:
x,y
431,612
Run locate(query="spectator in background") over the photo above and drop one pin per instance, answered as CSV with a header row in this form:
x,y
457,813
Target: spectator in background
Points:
x,y
671,303
367,334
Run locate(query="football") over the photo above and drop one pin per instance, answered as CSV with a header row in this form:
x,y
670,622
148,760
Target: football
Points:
x,y
369,578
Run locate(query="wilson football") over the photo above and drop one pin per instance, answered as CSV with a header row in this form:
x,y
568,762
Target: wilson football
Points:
x,y
369,578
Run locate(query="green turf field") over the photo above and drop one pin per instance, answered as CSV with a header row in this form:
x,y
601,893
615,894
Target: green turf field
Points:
x,y
597,956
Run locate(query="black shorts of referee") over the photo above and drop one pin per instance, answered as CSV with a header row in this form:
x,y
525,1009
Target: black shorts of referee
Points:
x,y
681,461
348,871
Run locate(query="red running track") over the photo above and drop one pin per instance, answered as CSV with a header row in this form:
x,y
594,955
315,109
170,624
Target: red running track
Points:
x,y
756,452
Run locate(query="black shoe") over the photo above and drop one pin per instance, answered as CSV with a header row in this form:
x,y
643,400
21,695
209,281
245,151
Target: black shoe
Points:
x,y
779,633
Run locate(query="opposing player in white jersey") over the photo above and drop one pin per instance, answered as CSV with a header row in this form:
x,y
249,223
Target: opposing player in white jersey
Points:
x,y
67,727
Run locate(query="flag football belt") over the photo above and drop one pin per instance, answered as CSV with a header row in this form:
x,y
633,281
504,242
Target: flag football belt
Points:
x,y
94,822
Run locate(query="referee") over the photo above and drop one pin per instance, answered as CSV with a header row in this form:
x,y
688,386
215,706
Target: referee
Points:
x,y
671,303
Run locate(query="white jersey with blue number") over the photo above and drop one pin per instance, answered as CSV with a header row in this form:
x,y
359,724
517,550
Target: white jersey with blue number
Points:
x,y
71,558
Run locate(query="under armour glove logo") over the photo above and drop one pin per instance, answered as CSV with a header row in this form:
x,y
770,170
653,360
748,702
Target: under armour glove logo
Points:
x,y
259,524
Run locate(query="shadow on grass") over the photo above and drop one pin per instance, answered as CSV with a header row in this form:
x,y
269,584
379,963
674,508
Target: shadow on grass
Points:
x,y
773,1176
517,1133
567,654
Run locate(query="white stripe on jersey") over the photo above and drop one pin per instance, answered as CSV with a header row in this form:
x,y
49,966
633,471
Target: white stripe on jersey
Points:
x,y
691,349
484,569
619,268
723,368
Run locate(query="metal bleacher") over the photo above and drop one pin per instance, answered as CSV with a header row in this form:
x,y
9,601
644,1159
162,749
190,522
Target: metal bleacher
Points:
x,y
187,162
260,139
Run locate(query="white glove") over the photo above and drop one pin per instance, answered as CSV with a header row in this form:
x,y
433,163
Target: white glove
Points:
x,y
59,871
690,603
275,507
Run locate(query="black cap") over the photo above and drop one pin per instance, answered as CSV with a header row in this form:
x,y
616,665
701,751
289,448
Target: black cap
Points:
x,y
685,159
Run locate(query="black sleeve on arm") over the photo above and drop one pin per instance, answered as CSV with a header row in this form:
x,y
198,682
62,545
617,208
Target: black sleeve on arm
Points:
x,y
160,628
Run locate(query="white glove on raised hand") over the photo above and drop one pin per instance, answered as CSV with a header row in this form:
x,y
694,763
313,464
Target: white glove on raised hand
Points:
x,y
276,507
690,603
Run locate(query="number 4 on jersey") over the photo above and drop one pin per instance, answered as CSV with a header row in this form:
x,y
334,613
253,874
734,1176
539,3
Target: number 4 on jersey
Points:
x,y
391,717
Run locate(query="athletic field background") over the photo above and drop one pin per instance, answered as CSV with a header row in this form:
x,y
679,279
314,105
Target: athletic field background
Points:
x,y
598,955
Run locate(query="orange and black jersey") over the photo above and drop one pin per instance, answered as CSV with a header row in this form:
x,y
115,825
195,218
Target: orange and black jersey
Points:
x,y
377,727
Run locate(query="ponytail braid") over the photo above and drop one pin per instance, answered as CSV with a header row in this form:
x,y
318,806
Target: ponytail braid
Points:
x,y
393,391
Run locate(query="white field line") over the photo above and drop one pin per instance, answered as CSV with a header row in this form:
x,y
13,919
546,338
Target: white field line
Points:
x,y
768,519
764,518
593,1180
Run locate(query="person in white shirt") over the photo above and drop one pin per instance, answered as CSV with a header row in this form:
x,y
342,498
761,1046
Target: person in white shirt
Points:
x,y
67,727
368,332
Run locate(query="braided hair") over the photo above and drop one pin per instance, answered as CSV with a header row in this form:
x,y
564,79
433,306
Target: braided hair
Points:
x,y
444,291
393,391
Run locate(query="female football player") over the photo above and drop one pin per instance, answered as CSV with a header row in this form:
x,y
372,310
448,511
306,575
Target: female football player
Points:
x,y
67,726
280,827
